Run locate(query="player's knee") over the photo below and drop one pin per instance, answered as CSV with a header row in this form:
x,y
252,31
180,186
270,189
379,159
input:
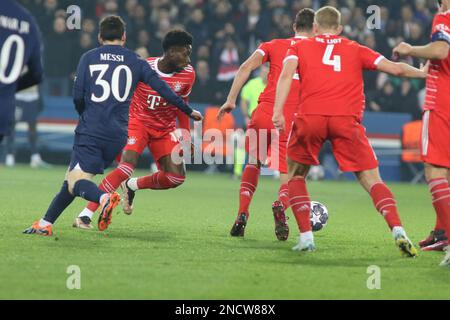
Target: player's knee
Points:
x,y
369,178
131,158
297,169
71,184
433,172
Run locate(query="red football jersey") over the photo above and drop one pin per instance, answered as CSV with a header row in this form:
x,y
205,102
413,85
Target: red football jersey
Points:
x,y
331,74
154,111
274,52
438,79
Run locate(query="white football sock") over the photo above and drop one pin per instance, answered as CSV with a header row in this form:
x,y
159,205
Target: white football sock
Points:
x,y
132,184
306,237
86,213
43,223
398,231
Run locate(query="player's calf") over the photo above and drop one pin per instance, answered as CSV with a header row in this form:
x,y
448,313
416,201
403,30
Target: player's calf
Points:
x,y
160,180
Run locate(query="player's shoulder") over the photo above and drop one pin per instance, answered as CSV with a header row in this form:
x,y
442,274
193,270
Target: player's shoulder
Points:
x,y
442,15
90,53
18,10
189,69
442,20
15,10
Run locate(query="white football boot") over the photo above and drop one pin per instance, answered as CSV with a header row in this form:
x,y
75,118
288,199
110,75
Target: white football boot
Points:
x,y
403,243
305,242
446,261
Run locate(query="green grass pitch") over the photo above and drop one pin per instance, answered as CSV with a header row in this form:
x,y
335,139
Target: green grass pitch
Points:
x,y
176,245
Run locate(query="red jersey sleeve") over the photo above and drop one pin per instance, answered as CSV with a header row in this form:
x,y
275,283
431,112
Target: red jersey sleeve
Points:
x,y
183,119
187,91
369,58
264,49
441,28
292,53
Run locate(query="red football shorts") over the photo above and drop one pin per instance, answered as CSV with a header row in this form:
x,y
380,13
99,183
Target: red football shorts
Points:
x,y
348,139
263,142
159,143
435,146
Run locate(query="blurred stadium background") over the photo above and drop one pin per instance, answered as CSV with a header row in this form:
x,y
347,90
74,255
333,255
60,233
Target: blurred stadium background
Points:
x,y
225,33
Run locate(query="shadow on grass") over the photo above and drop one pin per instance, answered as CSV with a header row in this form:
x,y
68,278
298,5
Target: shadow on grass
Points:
x,y
147,235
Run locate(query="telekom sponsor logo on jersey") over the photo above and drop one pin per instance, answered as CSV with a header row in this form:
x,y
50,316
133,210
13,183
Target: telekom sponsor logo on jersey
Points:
x,y
214,146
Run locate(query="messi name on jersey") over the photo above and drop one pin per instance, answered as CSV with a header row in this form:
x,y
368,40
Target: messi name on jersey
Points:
x,y
111,57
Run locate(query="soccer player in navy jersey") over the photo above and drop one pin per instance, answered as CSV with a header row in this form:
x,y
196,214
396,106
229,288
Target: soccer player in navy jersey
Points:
x,y
105,80
20,46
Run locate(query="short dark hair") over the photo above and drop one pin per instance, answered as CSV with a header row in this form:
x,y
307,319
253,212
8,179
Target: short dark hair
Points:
x,y
304,20
112,28
176,38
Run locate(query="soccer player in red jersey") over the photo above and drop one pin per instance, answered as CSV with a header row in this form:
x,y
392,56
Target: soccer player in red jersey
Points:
x,y
152,124
436,125
261,124
331,108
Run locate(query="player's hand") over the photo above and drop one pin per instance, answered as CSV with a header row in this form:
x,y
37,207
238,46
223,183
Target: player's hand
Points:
x,y
196,116
403,49
278,121
425,67
227,107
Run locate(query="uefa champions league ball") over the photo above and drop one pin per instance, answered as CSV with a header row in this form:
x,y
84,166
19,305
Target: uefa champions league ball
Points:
x,y
318,216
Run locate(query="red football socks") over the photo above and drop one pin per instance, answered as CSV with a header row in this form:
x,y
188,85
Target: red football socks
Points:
x,y
283,195
249,182
112,181
384,202
440,191
300,203
160,181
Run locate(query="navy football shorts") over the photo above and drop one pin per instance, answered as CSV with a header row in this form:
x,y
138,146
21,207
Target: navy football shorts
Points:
x,y
93,155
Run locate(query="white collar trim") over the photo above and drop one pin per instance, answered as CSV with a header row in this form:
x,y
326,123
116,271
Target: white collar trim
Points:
x,y
162,74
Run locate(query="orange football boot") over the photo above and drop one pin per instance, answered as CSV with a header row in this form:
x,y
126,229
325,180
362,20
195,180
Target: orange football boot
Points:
x,y
37,229
106,208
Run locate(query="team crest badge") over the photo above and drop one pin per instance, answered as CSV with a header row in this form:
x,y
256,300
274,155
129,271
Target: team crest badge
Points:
x,y
131,140
177,87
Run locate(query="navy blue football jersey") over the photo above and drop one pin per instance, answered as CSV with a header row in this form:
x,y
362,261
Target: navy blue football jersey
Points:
x,y
20,46
105,81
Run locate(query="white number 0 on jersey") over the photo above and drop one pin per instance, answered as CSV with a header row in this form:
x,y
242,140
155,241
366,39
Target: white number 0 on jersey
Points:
x,y
5,54
114,87
335,62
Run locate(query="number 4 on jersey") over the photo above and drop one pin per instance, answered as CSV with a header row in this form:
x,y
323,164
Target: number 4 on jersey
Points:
x,y
335,62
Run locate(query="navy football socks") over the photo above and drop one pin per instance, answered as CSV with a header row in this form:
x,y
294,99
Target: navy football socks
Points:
x,y
88,190
61,201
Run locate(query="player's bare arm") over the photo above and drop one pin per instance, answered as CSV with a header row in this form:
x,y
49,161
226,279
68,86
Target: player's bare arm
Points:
x,y
437,50
244,72
400,69
283,87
